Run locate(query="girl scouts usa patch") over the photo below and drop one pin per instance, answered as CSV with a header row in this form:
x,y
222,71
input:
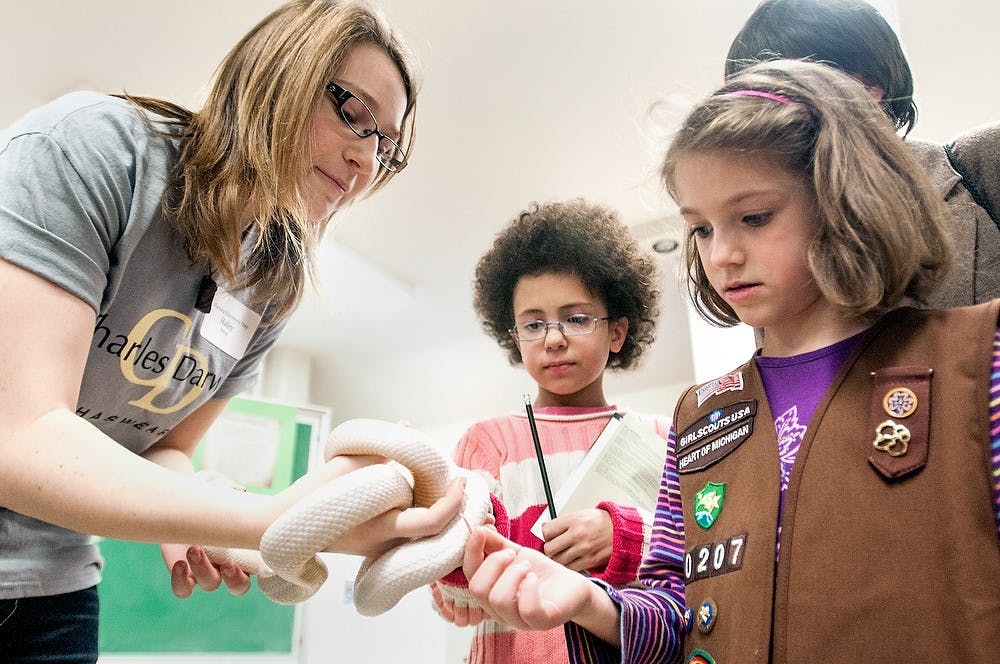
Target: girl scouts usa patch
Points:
x,y
714,436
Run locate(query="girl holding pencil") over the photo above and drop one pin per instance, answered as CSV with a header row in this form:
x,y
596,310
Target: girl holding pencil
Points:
x,y
567,293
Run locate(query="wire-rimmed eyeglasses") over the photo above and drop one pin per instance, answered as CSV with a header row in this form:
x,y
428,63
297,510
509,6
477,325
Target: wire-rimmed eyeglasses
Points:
x,y
362,122
571,326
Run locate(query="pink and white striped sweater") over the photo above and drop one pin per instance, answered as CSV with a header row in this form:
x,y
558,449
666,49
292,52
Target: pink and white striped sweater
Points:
x,y
502,448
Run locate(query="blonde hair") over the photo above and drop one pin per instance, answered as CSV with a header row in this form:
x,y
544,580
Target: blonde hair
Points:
x,y
881,228
246,144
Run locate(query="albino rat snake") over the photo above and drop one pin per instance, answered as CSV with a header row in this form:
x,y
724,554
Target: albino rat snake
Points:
x,y
287,566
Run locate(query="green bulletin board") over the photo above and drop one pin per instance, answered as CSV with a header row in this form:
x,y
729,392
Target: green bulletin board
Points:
x,y
139,613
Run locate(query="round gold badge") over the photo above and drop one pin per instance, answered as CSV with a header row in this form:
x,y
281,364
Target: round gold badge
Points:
x,y
900,402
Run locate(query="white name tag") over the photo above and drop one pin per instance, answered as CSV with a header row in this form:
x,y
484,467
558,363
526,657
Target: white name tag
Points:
x,y
230,325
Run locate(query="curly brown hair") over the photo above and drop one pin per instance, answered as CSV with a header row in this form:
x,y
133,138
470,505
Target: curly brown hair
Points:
x,y
574,237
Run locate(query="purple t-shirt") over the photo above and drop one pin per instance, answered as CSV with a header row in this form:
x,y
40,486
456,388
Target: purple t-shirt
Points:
x,y
794,387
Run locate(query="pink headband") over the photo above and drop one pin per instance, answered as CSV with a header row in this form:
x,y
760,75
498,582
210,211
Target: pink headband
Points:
x,y
761,93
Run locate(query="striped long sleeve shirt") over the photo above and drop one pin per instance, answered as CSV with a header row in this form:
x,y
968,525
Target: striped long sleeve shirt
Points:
x,y
651,614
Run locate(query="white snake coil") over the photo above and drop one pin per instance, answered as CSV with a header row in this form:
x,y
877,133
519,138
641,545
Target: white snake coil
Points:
x,y
287,566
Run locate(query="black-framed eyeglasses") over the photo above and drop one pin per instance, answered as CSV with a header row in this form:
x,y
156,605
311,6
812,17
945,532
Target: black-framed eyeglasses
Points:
x,y
361,120
571,326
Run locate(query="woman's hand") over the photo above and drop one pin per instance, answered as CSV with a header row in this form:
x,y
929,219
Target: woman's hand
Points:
x,y
456,605
581,540
395,527
191,568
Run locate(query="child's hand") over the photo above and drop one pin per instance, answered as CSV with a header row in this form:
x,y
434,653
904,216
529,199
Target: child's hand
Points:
x,y
456,605
580,540
520,587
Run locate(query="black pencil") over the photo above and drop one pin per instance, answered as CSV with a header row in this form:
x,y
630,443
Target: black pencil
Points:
x,y
539,456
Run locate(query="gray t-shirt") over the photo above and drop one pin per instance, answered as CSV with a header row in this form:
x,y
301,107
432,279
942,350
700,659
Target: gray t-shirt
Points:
x,y
81,182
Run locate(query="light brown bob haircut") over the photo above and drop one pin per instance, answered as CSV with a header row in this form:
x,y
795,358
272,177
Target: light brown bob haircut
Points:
x,y
246,146
880,231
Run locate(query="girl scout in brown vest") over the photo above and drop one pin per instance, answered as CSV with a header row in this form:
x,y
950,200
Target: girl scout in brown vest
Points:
x,y
863,523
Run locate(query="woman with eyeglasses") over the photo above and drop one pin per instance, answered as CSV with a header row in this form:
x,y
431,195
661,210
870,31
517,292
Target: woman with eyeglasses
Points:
x,y
566,292
150,256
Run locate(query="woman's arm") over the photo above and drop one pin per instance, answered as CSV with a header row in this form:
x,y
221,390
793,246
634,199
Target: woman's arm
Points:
x,y
60,469
190,566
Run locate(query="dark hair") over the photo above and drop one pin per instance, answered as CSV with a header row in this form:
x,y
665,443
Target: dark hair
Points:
x,y
848,34
573,237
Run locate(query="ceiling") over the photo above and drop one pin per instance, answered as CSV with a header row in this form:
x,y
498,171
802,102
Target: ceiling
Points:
x,y
522,100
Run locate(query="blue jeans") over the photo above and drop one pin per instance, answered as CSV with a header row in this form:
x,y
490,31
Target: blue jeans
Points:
x,y
55,629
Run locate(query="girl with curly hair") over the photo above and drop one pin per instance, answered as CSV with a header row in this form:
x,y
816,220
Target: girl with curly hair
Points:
x,y
566,292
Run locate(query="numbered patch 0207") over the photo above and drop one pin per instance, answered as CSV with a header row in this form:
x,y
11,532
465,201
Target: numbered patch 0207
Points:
x,y
722,557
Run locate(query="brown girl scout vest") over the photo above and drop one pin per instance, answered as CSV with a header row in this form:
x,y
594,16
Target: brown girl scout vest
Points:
x,y
889,547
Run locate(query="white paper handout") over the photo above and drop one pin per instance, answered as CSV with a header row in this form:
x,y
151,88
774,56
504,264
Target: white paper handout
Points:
x,y
624,466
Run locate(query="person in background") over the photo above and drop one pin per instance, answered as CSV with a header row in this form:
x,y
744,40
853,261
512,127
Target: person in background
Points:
x,y
833,474
150,256
853,36
565,291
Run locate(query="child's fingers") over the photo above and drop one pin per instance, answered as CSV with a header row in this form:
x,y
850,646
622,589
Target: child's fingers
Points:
x,y
476,615
488,572
447,609
533,609
528,602
482,542
505,595
474,553
461,616
494,541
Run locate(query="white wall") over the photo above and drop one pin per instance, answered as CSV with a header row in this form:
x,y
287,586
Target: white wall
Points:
x,y
716,350
334,632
